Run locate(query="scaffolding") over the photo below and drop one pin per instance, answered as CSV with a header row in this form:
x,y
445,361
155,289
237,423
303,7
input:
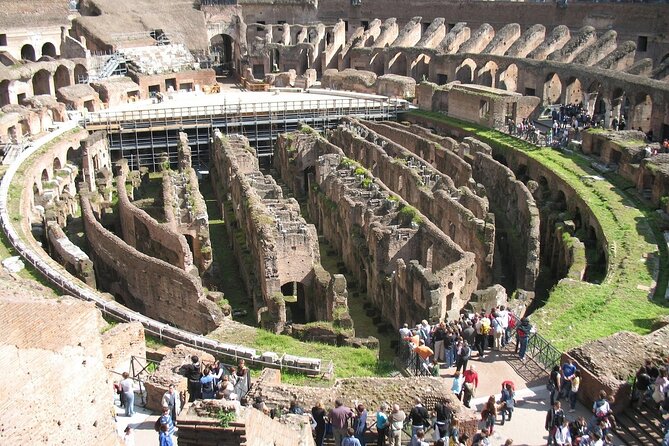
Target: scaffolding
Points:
x,y
139,135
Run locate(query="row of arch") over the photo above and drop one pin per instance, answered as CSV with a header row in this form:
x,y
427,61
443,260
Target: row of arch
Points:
x,y
28,51
635,107
42,82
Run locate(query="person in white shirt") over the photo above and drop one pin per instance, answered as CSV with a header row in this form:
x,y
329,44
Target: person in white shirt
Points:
x,y
128,389
562,434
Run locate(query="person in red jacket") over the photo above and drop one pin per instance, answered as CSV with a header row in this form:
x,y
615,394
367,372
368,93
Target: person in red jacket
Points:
x,y
471,383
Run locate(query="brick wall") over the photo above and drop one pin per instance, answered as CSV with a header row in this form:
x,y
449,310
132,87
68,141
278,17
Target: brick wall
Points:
x,y
122,342
160,290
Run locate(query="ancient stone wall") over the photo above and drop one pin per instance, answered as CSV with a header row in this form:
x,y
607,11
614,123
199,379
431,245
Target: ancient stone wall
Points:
x,y
120,344
156,288
73,259
515,209
411,270
418,183
96,162
55,389
282,247
144,233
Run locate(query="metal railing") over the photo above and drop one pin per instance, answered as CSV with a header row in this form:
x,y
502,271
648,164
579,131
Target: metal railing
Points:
x,y
539,348
66,283
409,361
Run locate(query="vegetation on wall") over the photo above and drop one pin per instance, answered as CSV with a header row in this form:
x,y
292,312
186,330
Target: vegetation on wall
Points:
x,y
577,312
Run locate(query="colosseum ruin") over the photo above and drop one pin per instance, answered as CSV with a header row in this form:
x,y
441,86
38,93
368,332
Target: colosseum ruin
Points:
x,y
297,184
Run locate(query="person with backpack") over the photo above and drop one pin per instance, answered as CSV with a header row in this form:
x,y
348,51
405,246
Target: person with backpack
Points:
x,y
396,419
554,418
482,331
553,385
420,420
524,330
602,411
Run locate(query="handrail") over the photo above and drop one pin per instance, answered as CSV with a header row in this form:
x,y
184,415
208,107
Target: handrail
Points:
x,y
62,280
409,360
539,348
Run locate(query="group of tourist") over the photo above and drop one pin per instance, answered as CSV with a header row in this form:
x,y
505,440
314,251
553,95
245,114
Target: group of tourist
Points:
x,y
424,426
214,381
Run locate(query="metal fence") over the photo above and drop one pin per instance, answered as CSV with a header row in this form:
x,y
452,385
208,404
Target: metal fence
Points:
x,y
539,348
409,361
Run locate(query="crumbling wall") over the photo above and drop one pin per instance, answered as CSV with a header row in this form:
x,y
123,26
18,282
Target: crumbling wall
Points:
x,y
430,191
281,246
145,234
121,345
516,211
55,389
152,286
73,259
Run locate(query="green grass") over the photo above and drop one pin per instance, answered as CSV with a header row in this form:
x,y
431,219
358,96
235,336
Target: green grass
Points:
x,y
578,312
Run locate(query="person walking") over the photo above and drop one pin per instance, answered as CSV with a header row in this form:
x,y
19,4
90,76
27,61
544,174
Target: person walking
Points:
x,y
172,400
507,401
464,352
554,419
396,419
128,389
471,383
489,415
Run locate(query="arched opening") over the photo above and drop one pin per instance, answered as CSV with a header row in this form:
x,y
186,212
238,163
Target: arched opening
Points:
x,y
28,53
293,295
508,80
590,96
4,93
80,74
617,104
521,173
573,92
577,219
48,49
61,77
500,159
552,89
561,201
420,68
274,61
72,156
42,82
221,47
487,74
56,164
642,112
465,72
544,188
45,175
595,271
398,65
376,64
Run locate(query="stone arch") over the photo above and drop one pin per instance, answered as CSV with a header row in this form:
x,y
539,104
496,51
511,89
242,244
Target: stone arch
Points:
x,y
398,64
57,164
37,190
552,89
49,49
591,94
641,112
221,48
522,173
80,74
28,52
61,78
573,93
544,188
71,155
465,71
560,200
45,175
4,93
487,74
508,79
42,83
376,64
420,68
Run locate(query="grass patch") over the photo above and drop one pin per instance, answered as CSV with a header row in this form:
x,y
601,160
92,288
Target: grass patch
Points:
x,y
578,312
153,342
